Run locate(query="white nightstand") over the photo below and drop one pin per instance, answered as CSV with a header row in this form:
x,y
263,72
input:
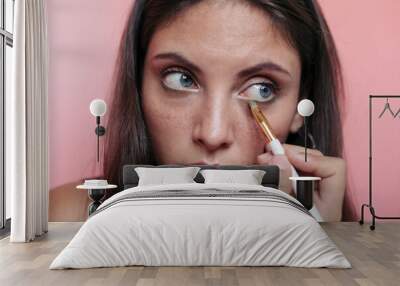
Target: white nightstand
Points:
x,y
96,193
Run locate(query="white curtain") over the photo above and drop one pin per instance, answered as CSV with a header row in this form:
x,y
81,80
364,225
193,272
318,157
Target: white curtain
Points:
x,y
26,124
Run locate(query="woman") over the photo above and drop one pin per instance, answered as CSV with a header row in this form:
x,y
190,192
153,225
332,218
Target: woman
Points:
x,y
182,66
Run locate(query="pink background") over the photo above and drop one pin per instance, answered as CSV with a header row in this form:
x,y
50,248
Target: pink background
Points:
x,y
83,42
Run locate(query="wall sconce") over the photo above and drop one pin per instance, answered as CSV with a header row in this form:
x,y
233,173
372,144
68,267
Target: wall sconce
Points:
x,y
98,108
305,108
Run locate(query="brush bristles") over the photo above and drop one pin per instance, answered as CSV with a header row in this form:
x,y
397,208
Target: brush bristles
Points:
x,y
252,103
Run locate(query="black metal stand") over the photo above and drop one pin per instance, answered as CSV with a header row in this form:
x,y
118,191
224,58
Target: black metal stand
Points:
x,y
369,205
95,195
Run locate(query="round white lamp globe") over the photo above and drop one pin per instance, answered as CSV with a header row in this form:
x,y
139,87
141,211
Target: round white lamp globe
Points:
x,y
305,107
98,107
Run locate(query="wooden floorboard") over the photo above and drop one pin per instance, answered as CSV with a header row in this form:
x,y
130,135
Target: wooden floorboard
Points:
x,y
374,255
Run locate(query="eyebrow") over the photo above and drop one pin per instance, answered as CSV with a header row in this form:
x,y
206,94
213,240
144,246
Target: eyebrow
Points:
x,y
180,59
244,73
263,66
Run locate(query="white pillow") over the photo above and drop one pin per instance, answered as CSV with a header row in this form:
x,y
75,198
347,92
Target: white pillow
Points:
x,y
248,177
162,176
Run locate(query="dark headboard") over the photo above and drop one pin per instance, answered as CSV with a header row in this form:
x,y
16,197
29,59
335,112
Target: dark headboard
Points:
x,y
270,179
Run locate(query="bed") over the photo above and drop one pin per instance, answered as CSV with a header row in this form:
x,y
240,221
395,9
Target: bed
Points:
x,y
201,224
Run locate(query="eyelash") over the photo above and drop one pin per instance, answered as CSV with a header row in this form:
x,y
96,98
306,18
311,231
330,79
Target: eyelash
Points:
x,y
271,84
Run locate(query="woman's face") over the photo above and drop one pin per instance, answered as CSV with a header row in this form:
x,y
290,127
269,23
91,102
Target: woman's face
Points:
x,y
195,68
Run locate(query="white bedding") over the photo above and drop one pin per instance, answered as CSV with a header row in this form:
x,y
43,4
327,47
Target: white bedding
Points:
x,y
187,230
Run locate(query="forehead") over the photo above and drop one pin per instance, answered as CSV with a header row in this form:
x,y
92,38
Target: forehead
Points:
x,y
224,32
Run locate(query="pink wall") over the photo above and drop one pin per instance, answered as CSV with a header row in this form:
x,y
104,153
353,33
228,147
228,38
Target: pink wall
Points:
x,y
369,43
84,37
83,42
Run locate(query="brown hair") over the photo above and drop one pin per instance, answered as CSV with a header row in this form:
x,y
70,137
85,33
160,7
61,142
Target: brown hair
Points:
x,y
300,21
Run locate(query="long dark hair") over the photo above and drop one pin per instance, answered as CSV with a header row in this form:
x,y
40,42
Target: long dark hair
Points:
x,y
300,21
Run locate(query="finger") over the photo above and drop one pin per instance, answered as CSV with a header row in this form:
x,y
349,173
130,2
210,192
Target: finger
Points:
x,y
301,149
320,166
264,159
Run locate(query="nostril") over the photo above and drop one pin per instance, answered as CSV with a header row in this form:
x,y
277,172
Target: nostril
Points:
x,y
212,146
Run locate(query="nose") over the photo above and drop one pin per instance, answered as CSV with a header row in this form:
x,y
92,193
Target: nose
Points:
x,y
214,126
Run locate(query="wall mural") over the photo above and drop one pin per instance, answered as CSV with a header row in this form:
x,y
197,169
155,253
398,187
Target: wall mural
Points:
x,y
212,88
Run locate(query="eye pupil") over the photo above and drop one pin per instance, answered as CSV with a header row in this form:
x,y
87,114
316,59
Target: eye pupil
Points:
x,y
186,81
265,91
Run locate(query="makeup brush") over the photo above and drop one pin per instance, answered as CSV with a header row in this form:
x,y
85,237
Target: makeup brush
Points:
x,y
273,144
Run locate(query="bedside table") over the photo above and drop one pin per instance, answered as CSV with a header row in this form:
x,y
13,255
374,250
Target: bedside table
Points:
x,y
96,193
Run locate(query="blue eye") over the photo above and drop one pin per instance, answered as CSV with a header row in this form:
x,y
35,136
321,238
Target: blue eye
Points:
x,y
179,81
262,92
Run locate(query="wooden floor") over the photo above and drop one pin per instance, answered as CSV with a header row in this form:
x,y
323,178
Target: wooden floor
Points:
x,y
375,257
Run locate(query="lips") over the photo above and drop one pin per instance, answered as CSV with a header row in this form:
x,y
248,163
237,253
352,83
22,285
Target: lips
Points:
x,y
204,163
198,163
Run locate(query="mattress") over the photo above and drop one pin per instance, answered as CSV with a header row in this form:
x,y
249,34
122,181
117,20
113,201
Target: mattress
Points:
x,y
201,225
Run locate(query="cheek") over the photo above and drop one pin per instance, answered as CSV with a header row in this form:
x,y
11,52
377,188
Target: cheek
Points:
x,y
170,131
253,136
249,141
166,121
163,120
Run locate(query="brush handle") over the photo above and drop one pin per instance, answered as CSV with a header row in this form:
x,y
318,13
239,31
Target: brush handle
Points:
x,y
276,148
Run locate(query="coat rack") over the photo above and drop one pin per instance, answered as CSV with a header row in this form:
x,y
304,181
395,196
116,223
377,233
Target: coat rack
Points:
x,y
370,203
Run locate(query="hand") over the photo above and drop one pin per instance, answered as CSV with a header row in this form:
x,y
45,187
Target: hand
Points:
x,y
329,193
